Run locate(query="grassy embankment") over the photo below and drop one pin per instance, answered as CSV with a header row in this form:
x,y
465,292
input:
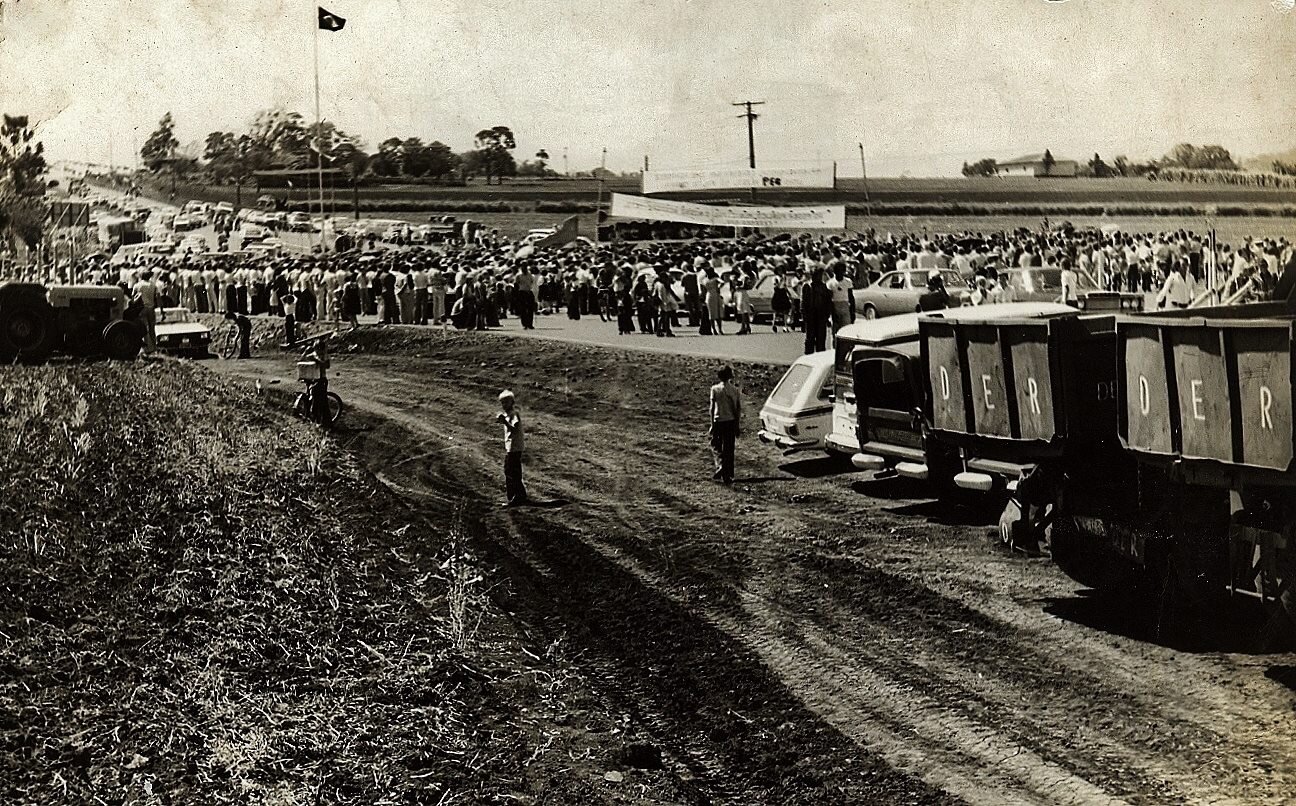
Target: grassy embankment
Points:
x,y
206,602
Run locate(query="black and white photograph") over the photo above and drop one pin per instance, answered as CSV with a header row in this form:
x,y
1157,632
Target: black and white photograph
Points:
x,y
646,402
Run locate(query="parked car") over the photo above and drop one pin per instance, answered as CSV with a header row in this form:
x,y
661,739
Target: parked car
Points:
x,y
797,415
395,232
538,234
898,292
253,232
1042,284
301,222
177,333
193,243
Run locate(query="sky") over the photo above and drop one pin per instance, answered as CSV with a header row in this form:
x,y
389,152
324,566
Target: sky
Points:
x,y
923,84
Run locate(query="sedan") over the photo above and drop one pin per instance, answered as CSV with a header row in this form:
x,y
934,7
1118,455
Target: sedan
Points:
x,y
898,292
1042,284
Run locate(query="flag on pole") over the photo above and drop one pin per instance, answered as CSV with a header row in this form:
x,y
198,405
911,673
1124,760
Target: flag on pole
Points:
x,y
329,21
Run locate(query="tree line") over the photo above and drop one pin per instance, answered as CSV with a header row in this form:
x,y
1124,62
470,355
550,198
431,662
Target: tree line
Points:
x,y
282,139
1184,157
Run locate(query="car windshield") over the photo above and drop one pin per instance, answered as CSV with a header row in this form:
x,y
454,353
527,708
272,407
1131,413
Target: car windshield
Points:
x,y
785,394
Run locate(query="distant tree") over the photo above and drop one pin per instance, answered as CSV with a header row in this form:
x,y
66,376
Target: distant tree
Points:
x,y
1284,168
495,144
387,162
283,137
529,168
1211,158
985,167
442,161
542,157
23,211
1121,166
1215,158
1048,162
160,145
414,157
22,157
1099,168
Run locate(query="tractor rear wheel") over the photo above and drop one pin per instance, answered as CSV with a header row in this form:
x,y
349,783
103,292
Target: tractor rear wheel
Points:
x,y
27,331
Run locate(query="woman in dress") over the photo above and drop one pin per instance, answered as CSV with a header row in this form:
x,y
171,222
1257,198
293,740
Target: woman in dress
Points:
x,y
742,302
351,300
714,306
781,303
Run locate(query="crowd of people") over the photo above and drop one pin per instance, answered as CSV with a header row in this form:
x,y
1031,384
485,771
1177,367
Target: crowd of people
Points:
x,y
655,287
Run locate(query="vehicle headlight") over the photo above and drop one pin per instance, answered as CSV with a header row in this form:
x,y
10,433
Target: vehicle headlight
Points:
x,y
792,429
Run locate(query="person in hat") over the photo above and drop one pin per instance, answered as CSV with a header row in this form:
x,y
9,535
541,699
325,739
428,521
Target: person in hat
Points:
x,y
936,298
514,488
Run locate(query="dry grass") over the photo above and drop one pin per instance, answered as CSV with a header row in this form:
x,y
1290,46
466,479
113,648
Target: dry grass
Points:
x,y
206,602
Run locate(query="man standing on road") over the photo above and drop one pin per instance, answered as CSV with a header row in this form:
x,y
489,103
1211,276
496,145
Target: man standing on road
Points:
x,y
726,415
816,312
146,292
514,489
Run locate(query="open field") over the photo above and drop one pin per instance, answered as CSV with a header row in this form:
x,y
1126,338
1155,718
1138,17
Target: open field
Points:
x,y
1003,190
1230,230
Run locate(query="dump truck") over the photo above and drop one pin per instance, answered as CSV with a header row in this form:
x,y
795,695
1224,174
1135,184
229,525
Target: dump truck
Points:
x,y
1018,405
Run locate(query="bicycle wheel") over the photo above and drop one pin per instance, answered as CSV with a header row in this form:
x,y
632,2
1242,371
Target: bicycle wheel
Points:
x,y
334,407
228,341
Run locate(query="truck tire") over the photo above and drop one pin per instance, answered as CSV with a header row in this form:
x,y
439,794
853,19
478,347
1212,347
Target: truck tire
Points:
x,y
27,331
122,340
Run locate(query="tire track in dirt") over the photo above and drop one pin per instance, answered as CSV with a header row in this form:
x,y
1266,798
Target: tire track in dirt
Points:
x,y
1108,759
655,529
1021,776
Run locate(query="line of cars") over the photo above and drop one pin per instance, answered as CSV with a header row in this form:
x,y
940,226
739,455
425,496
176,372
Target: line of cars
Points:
x,y
897,292
1151,453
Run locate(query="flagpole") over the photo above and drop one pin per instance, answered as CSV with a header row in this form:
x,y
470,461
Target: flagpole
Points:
x,y
319,146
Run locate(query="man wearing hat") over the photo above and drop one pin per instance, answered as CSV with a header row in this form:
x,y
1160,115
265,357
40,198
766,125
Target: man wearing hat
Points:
x,y
514,488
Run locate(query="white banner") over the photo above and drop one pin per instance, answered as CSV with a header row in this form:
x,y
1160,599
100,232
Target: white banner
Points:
x,y
638,207
813,176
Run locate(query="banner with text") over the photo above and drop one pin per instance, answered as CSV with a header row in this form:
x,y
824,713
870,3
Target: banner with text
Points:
x,y
813,176
638,207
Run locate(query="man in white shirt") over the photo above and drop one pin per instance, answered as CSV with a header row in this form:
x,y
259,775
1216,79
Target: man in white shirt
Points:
x,y
515,489
146,290
843,300
419,278
1175,293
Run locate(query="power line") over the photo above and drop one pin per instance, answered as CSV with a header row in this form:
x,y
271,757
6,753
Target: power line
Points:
x,y
751,132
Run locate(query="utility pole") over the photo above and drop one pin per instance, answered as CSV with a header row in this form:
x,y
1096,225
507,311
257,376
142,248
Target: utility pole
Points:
x,y
864,172
598,207
566,171
751,133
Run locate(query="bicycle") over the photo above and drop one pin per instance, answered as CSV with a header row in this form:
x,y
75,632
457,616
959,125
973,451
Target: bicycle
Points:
x,y
302,405
227,343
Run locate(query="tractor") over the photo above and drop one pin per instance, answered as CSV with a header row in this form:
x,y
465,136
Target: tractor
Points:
x,y
86,321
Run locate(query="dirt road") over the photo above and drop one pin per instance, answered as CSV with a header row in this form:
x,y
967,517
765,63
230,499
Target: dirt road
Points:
x,y
804,636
